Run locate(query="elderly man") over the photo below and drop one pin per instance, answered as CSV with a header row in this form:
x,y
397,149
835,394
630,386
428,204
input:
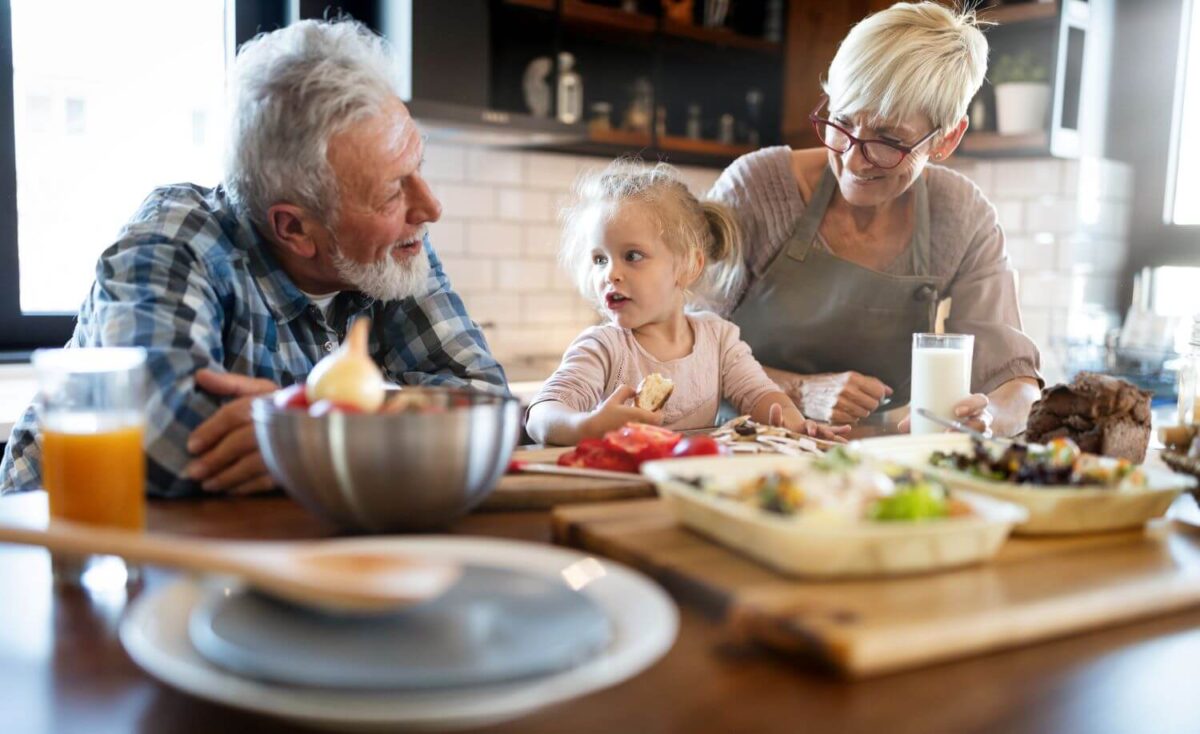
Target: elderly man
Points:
x,y
238,289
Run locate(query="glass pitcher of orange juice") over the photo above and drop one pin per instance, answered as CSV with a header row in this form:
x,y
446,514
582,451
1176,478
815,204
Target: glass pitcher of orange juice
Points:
x,y
91,418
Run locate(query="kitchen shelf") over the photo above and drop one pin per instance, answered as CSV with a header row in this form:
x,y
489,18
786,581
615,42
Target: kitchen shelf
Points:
x,y
588,15
693,146
621,138
547,5
1020,13
997,145
720,37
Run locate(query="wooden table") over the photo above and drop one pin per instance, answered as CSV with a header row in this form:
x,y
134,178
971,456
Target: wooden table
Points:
x,y
62,668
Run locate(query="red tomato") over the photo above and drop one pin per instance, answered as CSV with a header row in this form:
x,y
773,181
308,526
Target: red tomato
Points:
x,y
290,398
641,441
698,446
325,407
592,453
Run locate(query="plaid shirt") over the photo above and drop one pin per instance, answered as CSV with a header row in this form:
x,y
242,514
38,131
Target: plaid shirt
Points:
x,y
191,280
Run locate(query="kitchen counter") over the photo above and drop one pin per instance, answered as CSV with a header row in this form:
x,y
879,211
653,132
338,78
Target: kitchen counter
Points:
x,y
62,668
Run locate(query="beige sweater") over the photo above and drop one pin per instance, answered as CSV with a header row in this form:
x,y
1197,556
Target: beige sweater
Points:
x,y
966,254
720,366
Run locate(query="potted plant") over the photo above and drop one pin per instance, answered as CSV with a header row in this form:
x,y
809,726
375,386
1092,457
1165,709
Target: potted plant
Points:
x,y
1022,93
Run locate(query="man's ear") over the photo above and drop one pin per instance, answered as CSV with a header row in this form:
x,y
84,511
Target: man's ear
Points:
x,y
946,144
292,227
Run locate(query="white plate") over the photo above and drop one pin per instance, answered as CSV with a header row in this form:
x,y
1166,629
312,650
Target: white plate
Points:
x,y
1056,509
820,548
644,621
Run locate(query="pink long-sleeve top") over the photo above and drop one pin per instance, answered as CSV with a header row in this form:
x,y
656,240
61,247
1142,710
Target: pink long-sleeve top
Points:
x,y
720,366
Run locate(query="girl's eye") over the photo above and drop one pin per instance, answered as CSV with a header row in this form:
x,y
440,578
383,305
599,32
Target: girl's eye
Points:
x,y
633,256
599,260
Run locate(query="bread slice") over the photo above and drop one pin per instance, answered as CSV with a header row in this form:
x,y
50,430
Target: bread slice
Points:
x,y
652,392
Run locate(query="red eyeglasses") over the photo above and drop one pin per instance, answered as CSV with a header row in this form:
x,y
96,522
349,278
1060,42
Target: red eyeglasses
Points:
x,y
879,153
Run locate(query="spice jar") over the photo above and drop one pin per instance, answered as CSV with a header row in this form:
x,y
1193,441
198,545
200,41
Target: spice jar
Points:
x,y
600,119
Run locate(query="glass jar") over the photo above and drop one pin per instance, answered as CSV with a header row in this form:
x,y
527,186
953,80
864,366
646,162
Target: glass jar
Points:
x,y
600,121
1189,378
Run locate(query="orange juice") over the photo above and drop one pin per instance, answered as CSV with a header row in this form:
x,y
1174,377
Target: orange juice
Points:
x,y
97,478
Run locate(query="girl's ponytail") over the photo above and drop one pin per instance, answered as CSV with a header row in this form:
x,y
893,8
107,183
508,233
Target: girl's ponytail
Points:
x,y
723,274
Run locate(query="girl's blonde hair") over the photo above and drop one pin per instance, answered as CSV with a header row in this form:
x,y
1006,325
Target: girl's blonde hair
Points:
x,y
910,58
703,235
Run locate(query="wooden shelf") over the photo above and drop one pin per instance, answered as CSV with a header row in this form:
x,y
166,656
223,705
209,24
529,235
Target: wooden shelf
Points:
x,y
1020,13
720,37
583,14
995,144
621,138
679,144
547,5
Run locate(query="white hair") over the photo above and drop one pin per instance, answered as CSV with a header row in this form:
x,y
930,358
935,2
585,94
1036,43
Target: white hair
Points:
x,y
387,279
291,90
693,230
913,58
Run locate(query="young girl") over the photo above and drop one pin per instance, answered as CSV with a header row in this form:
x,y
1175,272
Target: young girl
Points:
x,y
637,243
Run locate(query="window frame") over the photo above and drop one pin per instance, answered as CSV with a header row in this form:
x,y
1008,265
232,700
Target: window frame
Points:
x,y
20,333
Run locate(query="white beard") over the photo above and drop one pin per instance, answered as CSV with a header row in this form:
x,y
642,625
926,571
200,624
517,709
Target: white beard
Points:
x,y
388,279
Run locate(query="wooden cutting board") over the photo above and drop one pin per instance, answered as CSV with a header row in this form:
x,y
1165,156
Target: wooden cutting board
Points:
x,y
543,491
1035,589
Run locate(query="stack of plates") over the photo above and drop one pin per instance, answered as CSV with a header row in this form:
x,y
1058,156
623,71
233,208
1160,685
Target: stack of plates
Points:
x,y
526,626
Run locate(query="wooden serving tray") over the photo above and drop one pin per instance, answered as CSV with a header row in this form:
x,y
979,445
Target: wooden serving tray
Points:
x,y
543,491
1035,589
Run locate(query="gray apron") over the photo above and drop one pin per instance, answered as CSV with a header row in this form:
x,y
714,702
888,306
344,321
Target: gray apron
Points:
x,y
812,311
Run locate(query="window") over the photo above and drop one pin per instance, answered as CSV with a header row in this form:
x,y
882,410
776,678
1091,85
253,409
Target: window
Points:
x,y
110,100
1183,200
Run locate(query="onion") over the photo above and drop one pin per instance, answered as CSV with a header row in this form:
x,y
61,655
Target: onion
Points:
x,y
349,376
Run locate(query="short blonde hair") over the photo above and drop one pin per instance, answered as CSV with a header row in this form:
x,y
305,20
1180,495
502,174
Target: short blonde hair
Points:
x,y
911,58
688,226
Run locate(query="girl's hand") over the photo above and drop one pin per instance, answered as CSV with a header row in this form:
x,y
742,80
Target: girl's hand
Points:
x,y
797,423
614,413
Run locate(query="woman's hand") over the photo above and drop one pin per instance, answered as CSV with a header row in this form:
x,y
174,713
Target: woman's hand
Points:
x,y
835,397
614,413
974,411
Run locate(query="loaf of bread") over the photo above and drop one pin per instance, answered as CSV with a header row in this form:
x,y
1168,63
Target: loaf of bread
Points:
x,y
1104,415
652,392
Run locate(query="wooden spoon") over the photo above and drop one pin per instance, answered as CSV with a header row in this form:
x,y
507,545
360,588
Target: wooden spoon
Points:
x,y
325,575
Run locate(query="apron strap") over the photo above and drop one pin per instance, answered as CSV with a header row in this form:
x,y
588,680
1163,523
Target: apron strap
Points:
x,y
919,245
805,233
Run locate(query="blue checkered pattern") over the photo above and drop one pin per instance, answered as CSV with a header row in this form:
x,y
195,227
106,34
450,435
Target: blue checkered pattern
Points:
x,y
191,280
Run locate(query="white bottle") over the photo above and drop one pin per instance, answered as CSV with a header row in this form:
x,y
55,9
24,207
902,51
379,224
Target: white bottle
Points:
x,y
570,90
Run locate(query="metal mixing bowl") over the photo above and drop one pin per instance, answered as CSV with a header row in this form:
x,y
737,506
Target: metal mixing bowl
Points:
x,y
387,472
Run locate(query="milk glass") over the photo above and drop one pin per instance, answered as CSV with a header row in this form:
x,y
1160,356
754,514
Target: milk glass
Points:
x,y
90,408
941,377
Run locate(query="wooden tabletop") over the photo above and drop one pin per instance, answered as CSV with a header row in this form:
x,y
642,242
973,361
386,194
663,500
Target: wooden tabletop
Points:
x,y
62,668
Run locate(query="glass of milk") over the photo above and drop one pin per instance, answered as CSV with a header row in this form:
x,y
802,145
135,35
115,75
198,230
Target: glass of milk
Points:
x,y
941,376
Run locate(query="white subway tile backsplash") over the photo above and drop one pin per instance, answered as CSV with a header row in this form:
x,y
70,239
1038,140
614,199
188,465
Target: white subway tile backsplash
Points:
x,y
550,171
699,180
542,240
1011,215
1045,290
503,309
558,202
444,162
1050,214
466,201
448,237
524,275
485,165
550,308
470,274
1027,177
494,238
523,205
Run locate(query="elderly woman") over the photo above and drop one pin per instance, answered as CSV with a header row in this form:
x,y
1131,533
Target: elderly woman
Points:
x,y
850,248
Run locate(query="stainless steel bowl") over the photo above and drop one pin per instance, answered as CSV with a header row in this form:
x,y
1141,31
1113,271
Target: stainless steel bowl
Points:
x,y
403,471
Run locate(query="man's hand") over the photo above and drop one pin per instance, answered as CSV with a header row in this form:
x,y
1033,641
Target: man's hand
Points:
x,y
974,411
227,455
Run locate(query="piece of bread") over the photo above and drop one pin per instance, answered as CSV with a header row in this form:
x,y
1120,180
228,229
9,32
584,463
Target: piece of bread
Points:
x,y
1102,414
652,392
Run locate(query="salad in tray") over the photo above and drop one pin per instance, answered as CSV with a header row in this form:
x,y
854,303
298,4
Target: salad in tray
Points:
x,y
1058,463
839,486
